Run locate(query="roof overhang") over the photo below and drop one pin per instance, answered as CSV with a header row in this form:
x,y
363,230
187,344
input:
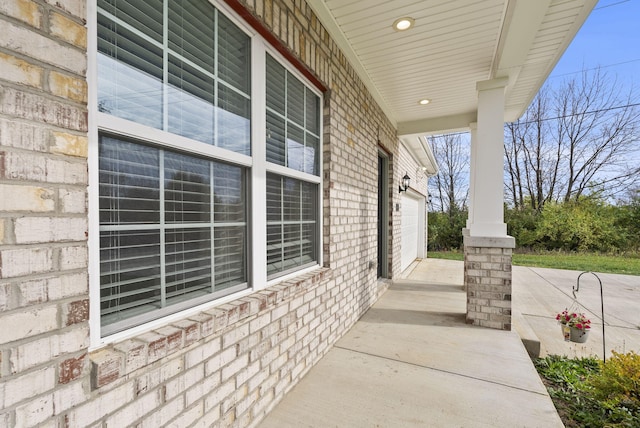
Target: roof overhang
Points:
x,y
453,45
419,148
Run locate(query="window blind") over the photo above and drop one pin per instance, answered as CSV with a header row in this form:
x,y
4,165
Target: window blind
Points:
x,y
293,121
173,229
192,79
129,183
130,273
173,225
192,33
292,219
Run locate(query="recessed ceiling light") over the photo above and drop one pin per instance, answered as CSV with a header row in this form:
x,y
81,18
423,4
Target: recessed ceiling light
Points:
x,y
424,102
402,24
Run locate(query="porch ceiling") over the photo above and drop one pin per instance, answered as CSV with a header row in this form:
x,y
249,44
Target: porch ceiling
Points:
x,y
453,45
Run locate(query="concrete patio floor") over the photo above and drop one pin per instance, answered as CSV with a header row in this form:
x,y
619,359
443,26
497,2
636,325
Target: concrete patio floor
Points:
x,y
411,361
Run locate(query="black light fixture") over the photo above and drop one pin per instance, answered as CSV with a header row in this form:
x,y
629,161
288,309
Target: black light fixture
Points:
x,y
406,180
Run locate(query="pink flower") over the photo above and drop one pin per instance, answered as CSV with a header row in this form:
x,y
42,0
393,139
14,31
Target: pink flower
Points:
x,y
574,319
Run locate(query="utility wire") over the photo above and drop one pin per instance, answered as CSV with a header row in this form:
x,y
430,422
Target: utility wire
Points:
x,y
604,110
606,65
595,68
612,4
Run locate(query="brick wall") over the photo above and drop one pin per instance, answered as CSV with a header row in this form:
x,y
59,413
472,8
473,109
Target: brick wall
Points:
x,y
226,366
487,279
44,331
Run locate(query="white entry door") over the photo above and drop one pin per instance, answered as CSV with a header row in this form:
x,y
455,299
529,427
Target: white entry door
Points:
x,y
412,230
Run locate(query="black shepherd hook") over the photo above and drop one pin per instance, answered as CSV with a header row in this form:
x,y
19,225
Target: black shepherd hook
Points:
x,y
576,289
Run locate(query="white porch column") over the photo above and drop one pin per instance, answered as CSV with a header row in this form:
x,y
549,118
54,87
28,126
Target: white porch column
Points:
x,y
473,130
487,162
487,248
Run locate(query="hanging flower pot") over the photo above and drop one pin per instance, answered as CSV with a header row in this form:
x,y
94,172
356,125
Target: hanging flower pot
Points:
x,y
574,326
579,335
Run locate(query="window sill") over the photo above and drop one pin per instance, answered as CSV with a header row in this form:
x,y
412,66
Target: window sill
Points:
x,y
120,359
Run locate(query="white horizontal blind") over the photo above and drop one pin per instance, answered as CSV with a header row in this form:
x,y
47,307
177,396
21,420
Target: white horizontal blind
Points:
x,y
291,224
173,229
293,141
190,77
293,121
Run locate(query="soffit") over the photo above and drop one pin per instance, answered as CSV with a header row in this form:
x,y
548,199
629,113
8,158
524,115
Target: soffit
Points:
x,y
453,45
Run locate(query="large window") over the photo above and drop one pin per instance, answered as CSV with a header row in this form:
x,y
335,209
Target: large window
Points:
x,y
179,203
293,141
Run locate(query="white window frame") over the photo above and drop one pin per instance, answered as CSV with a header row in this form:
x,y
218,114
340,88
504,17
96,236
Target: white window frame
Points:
x,y
257,164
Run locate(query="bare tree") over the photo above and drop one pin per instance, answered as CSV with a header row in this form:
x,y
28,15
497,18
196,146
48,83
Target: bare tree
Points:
x,y
450,186
532,156
580,138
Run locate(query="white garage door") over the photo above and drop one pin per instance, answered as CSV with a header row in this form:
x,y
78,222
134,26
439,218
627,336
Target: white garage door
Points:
x,y
410,230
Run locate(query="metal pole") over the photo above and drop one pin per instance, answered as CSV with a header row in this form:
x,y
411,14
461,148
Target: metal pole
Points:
x,y
576,289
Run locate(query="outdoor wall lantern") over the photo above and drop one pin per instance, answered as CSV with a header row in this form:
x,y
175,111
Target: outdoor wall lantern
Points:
x,y
406,180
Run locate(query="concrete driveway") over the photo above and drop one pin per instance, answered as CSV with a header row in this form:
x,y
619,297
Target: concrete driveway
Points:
x,y
539,294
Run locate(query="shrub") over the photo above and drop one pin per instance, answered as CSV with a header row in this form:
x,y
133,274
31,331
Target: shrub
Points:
x,y
584,225
628,222
521,224
617,385
590,393
445,229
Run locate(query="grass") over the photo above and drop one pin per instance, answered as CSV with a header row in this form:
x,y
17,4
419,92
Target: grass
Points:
x,y
628,264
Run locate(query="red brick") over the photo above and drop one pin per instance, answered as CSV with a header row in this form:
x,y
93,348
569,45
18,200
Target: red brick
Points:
x,y
244,310
156,346
207,323
135,354
220,317
71,369
77,312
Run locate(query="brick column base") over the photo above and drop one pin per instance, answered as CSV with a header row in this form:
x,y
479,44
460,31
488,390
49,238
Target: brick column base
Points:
x,y
487,280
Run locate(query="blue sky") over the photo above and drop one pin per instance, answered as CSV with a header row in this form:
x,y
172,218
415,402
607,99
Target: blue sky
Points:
x,y
610,39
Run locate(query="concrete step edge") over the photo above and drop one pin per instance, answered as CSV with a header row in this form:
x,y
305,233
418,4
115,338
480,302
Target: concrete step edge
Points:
x,y
528,337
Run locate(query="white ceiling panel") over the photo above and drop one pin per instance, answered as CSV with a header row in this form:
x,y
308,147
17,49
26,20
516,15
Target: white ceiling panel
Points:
x,y
453,45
